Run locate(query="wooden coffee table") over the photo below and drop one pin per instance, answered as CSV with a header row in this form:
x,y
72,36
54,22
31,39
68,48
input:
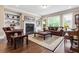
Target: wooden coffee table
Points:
x,y
43,34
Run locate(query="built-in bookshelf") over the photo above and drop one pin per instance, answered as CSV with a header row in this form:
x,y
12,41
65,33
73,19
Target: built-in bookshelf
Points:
x,y
9,18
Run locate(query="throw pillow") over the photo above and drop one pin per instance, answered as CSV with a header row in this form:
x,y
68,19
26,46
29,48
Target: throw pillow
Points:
x,y
59,29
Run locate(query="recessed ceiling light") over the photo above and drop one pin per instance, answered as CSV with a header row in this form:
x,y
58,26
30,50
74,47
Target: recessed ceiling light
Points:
x,y
69,6
44,6
16,5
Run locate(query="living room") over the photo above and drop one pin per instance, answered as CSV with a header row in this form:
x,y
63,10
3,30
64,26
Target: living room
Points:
x,y
44,28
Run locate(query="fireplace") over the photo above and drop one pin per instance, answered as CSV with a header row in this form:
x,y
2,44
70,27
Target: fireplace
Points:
x,y
29,28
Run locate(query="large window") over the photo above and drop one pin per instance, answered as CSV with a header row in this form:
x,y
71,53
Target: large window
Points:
x,y
67,20
54,21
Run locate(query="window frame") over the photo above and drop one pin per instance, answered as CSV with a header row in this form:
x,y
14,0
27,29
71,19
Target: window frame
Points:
x,y
59,20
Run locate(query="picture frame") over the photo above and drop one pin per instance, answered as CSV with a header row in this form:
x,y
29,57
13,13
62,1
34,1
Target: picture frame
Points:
x,y
38,22
77,19
29,18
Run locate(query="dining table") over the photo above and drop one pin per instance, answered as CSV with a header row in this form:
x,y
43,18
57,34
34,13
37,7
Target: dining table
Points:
x,y
17,34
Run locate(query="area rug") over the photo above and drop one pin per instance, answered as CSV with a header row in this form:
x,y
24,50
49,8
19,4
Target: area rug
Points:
x,y
50,42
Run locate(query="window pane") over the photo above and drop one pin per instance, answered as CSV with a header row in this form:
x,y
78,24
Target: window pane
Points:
x,y
67,20
54,21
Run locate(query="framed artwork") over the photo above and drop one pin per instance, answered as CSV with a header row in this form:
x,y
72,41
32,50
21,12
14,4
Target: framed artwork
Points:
x,y
29,18
77,19
38,22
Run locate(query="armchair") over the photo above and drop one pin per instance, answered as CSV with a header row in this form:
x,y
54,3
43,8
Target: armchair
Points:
x,y
73,38
8,35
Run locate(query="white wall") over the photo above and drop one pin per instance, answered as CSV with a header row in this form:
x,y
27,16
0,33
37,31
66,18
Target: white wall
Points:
x,y
1,21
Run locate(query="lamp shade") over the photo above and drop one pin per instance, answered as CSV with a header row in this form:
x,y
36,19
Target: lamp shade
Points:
x,y
44,22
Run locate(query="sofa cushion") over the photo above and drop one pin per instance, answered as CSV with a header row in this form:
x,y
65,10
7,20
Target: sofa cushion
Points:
x,y
53,28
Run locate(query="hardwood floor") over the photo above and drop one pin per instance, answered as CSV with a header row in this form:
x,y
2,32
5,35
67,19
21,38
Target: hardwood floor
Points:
x,y
67,46
33,48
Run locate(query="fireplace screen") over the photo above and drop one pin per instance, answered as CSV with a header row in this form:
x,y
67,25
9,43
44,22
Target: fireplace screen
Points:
x,y
29,28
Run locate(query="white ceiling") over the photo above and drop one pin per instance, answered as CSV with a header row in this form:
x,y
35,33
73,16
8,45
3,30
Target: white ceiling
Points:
x,y
40,11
